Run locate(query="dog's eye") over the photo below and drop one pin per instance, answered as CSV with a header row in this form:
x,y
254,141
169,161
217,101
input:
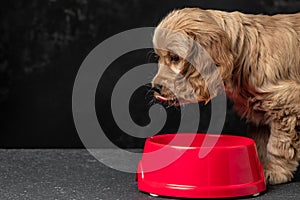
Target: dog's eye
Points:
x,y
174,58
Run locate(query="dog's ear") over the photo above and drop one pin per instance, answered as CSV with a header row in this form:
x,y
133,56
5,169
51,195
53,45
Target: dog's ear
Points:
x,y
216,43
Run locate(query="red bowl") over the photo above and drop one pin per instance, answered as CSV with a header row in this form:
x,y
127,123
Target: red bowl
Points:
x,y
200,166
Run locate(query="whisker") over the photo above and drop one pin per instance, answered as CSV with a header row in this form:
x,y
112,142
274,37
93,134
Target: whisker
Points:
x,y
150,90
151,102
149,54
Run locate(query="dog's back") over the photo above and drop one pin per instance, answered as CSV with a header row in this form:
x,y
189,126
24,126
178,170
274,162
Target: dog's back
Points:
x,y
290,21
270,45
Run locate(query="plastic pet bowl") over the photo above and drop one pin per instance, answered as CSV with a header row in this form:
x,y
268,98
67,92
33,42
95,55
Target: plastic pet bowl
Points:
x,y
200,166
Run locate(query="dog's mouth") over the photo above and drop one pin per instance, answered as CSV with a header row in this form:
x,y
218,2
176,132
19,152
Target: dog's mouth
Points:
x,y
171,100
175,101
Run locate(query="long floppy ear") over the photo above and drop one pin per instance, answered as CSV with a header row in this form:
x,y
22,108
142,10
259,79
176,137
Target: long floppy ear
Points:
x,y
216,42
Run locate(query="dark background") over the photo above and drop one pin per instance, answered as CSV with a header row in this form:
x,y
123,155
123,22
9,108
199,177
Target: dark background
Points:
x,y
43,43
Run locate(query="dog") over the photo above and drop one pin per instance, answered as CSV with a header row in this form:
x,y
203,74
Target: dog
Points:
x,y
257,58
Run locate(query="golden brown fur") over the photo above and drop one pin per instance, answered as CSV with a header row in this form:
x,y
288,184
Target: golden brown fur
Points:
x,y
258,58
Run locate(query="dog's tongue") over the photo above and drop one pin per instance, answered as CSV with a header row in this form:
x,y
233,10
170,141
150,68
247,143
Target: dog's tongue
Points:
x,y
161,98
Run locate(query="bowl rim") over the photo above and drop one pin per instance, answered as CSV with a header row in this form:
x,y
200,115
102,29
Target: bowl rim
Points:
x,y
247,141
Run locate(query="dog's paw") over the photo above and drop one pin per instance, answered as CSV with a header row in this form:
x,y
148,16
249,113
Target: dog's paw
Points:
x,y
274,177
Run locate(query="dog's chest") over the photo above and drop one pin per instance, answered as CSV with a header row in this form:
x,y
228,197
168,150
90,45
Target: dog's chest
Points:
x,y
248,106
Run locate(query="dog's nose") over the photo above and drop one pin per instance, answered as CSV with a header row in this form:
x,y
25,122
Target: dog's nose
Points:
x,y
157,88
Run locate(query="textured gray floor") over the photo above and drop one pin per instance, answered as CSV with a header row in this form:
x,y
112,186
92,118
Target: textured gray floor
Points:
x,y
75,174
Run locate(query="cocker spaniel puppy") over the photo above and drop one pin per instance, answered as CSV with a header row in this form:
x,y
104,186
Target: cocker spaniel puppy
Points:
x,y
258,59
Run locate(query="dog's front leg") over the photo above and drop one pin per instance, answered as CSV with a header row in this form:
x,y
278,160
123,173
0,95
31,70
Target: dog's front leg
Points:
x,y
282,151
